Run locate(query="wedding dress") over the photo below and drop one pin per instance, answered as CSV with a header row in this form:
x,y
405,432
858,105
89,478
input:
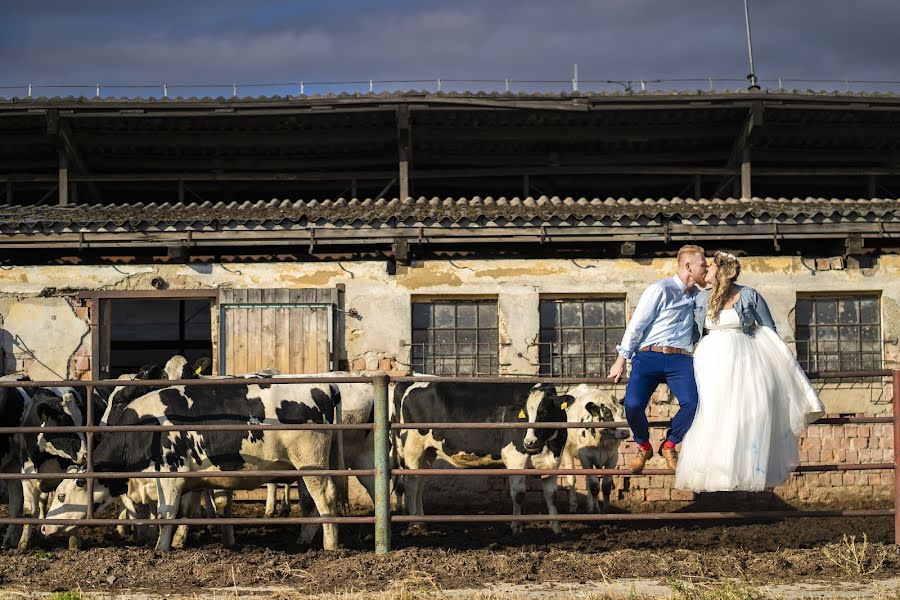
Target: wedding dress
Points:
x,y
754,402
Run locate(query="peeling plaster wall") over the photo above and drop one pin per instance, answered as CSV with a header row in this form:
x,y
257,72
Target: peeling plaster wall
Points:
x,y
380,339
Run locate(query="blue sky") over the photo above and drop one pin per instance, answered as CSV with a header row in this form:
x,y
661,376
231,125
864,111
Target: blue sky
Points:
x,y
129,43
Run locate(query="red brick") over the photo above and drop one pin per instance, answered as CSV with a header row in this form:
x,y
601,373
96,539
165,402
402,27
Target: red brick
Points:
x,y
852,456
682,495
859,443
385,364
359,364
865,431
657,494
83,363
82,312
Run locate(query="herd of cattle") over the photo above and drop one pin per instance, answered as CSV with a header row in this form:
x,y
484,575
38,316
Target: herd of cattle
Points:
x,y
215,452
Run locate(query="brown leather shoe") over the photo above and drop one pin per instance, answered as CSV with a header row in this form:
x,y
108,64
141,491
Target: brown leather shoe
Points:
x,y
671,456
637,464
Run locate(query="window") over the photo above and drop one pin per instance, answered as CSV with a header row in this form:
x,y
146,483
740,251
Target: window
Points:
x,y
455,337
578,336
839,333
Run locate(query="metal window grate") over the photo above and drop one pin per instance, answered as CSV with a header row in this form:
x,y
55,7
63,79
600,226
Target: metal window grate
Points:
x,y
455,337
839,333
578,336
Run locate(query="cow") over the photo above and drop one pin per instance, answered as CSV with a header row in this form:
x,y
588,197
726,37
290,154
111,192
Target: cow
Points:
x,y
212,452
39,453
485,403
595,448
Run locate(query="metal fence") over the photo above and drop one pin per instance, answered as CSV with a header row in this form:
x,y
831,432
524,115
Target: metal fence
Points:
x,y
382,471
299,88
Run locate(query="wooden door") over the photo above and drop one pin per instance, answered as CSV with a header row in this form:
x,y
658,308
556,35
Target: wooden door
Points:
x,y
290,330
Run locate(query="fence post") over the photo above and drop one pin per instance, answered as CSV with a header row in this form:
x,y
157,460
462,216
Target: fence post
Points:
x,y
89,448
382,465
896,403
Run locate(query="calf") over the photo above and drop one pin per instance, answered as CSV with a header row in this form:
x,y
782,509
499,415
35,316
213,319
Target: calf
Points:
x,y
212,452
595,447
484,403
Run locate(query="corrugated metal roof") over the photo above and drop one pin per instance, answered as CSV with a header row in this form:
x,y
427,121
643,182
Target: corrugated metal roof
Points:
x,y
354,213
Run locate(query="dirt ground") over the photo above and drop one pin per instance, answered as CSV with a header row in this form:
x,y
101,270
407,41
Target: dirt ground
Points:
x,y
460,556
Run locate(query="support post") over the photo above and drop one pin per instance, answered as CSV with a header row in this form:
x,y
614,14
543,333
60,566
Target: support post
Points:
x,y
403,149
382,465
698,186
746,192
63,179
896,403
873,186
89,459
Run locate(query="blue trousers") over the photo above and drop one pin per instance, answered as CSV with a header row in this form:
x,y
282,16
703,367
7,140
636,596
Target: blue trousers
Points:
x,y
648,370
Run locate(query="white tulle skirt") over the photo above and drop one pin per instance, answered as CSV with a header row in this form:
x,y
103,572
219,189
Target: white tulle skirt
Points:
x,y
754,402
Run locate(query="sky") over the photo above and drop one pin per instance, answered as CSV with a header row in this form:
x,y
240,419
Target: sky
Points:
x,y
218,42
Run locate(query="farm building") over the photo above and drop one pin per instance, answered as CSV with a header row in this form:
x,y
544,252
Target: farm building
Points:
x,y
456,234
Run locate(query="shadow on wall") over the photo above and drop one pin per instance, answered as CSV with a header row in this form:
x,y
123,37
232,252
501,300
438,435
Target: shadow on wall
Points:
x,y
7,357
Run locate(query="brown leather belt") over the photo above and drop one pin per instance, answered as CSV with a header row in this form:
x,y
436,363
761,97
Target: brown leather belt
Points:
x,y
665,350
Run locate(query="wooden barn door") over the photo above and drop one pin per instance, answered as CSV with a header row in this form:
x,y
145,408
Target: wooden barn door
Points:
x,y
291,330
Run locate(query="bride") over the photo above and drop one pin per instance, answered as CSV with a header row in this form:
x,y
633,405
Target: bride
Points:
x,y
754,399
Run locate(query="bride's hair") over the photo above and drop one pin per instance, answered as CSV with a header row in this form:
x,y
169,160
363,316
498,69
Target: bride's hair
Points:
x,y
728,270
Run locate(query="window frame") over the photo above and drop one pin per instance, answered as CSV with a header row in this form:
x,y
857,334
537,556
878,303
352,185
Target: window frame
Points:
x,y
604,354
421,364
810,361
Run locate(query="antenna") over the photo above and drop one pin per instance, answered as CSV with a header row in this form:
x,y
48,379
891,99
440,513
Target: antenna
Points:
x,y
754,85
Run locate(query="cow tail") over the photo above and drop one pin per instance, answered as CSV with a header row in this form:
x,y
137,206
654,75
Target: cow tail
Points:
x,y
336,455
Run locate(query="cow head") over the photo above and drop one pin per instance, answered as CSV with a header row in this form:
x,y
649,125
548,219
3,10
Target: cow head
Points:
x,y
70,501
52,409
544,406
176,367
608,411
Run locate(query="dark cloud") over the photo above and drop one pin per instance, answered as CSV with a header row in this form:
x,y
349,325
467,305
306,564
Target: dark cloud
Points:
x,y
267,41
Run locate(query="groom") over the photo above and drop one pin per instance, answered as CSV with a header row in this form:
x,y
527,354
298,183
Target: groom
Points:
x,y
658,343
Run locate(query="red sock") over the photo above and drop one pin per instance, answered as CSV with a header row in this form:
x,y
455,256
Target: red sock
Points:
x,y
669,444
645,446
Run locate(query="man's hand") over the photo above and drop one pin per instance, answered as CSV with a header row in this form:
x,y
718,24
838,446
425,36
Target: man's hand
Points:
x,y
615,371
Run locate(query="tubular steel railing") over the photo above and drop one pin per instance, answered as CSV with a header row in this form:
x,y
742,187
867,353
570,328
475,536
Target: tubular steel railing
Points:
x,y
382,468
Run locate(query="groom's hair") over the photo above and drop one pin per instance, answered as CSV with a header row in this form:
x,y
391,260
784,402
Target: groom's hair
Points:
x,y
689,249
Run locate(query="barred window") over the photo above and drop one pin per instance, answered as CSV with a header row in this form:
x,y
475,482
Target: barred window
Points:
x,y
455,337
578,337
839,333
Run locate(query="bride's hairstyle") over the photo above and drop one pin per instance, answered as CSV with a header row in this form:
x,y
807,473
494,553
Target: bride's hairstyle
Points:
x,y
728,270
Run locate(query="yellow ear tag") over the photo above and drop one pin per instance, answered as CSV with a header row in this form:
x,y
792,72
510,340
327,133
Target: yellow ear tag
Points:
x,y
521,414
564,405
197,370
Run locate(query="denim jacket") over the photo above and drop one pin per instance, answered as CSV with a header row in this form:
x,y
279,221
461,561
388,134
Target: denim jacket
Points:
x,y
751,307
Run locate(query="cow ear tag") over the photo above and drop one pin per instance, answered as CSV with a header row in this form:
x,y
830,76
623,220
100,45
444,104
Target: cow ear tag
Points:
x,y
197,370
564,405
521,414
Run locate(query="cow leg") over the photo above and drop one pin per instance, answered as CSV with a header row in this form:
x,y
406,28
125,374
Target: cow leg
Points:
x,y
324,495
307,509
568,463
608,485
593,482
14,492
285,508
226,499
271,494
188,506
517,493
549,486
31,506
169,498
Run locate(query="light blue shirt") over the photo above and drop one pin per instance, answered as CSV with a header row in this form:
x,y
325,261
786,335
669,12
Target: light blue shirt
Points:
x,y
664,317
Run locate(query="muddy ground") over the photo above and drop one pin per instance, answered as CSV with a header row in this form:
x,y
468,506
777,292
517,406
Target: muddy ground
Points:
x,y
463,556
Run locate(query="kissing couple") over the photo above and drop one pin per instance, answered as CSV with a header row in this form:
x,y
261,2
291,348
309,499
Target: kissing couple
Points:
x,y
743,399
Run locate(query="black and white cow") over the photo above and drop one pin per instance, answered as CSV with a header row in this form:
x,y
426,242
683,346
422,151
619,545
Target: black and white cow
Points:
x,y
595,447
212,452
438,402
39,453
